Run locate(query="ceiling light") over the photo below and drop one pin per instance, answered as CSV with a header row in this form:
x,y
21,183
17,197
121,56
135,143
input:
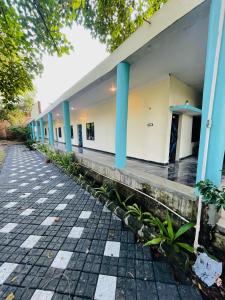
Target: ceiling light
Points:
x,y
112,88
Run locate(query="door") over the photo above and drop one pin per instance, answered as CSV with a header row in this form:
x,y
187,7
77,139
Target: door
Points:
x,y
173,138
56,134
79,133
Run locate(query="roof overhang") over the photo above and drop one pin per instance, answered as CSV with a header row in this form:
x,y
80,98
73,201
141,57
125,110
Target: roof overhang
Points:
x,y
186,109
174,43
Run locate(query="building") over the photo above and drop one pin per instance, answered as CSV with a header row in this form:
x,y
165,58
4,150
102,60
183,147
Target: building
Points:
x,y
154,99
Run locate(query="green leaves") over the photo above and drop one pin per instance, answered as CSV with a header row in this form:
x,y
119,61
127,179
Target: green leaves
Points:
x,y
168,236
211,193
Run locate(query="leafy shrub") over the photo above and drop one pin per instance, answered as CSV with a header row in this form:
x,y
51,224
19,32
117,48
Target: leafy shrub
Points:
x,y
211,193
20,133
169,237
136,211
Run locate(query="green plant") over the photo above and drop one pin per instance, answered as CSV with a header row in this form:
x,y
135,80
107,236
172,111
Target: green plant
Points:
x,y
211,193
21,133
171,238
104,190
137,212
121,202
29,144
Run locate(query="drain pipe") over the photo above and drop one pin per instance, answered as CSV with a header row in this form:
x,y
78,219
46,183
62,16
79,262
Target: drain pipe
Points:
x,y
209,119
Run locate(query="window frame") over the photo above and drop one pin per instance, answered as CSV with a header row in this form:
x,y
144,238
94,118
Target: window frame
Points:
x,y
90,132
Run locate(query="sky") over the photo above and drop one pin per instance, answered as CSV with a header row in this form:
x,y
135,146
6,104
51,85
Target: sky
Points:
x,y
61,73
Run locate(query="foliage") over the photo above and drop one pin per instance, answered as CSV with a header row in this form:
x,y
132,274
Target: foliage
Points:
x,y
30,28
105,190
136,211
169,237
121,202
18,114
29,143
27,30
211,193
114,21
21,133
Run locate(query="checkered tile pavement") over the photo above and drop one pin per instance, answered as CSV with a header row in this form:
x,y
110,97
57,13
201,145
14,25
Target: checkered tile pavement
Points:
x,y
59,242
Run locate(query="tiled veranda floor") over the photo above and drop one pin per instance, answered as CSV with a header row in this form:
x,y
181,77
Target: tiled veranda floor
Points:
x,y
58,242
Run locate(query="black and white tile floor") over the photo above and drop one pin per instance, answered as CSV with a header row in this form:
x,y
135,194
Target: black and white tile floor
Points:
x,y
58,242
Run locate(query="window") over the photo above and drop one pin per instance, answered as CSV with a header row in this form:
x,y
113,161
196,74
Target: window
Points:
x,y
60,132
45,131
90,131
71,131
196,129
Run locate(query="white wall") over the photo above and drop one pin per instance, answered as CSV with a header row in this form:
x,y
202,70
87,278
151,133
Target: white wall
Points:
x,y
148,104
179,94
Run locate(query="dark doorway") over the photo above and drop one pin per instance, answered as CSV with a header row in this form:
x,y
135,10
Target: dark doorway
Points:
x,y
173,138
56,134
79,134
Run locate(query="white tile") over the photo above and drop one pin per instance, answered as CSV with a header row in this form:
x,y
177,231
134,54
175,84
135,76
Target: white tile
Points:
x,y
70,196
61,260
42,295
61,206
31,173
85,214
36,188
112,249
8,227
25,195
21,171
53,177
46,181
27,212
60,184
106,288
40,175
14,174
11,181
24,184
48,221
33,179
51,192
105,209
48,171
23,176
76,232
114,217
10,204
41,200
5,270
11,191
31,241
13,169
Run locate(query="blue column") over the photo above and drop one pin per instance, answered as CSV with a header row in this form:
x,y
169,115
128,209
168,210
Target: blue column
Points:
x,y
67,126
32,130
42,131
37,131
216,147
122,90
50,129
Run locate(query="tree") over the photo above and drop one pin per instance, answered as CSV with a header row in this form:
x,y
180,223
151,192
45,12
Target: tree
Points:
x,y
113,21
30,28
20,112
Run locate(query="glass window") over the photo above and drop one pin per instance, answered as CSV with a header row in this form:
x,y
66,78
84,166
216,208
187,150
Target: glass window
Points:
x,y
71,131
90,131
60,132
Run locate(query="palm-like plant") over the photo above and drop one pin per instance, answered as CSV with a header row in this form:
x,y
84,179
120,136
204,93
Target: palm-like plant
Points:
x,y
167,235
120,201
137,212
